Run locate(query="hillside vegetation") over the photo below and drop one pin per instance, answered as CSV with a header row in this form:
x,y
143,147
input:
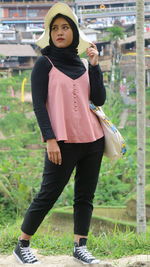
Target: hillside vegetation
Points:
x,y
21,154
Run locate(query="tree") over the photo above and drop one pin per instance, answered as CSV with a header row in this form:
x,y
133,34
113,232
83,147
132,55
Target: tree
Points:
x,y
115,34
2,56
140,81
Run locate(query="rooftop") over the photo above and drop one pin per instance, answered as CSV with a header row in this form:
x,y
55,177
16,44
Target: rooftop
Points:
x,y
17,50
132,39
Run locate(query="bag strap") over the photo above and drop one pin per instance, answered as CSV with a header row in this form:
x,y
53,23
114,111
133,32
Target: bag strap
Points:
x,y
85,62
49,60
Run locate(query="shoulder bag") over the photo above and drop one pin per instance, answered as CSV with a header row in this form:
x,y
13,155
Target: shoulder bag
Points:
x,y
115,146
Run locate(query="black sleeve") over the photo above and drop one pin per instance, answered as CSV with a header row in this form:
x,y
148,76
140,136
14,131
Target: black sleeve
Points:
x,y
39,87
98,92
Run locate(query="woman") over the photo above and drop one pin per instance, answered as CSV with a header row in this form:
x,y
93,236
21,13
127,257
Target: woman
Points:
x,y
61,90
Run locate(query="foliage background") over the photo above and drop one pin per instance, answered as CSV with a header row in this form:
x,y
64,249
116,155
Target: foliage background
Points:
x,y
21,165
22,154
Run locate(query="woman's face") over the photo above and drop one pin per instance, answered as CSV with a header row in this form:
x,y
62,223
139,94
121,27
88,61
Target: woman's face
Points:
x,y
61,33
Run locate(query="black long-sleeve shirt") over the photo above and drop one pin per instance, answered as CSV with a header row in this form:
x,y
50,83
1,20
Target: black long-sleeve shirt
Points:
x,y
39,85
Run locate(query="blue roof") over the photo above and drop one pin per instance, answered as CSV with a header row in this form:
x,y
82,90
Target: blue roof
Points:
x,y
21,21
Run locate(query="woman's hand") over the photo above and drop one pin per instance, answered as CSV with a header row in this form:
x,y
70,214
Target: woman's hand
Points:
x,y
53,151
92,53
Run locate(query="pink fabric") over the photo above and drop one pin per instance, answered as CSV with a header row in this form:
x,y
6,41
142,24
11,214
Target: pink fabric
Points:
x,y
68,108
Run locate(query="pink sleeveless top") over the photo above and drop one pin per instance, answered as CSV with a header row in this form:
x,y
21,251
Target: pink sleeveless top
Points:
x,y
68,108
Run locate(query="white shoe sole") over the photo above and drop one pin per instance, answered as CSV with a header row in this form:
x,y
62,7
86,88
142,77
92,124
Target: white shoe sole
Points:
x,y
16,256
98,262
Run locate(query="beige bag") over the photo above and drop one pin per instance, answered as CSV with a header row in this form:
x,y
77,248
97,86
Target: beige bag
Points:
x,y
115,146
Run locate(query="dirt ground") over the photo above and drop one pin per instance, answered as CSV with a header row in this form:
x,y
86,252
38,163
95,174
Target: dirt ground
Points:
x,y
68,261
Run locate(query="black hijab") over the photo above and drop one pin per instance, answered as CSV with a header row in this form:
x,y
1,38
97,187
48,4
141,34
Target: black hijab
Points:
x,y
66,59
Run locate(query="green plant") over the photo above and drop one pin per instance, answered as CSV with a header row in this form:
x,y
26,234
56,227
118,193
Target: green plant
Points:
x,y
115,33
111,245
21,166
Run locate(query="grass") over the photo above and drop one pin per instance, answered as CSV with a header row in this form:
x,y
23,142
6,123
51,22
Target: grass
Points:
x,y
147,195
113,214
112,245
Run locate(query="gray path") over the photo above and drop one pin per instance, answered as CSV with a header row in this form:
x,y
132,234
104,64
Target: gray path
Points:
x,y
127,99
123,118
68,261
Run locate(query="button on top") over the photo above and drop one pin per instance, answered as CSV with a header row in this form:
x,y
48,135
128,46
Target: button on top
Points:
x,y
74,92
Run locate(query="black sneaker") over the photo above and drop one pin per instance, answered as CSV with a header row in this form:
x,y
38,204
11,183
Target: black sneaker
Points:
x,y
23,253
82,254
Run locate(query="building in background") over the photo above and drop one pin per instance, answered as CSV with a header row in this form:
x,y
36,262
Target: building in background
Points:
x,y
21,22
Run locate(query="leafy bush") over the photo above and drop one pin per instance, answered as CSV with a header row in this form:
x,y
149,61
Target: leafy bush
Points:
x,y
21,168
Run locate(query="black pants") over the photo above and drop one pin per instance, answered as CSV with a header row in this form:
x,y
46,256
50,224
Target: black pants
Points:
x,y
86,157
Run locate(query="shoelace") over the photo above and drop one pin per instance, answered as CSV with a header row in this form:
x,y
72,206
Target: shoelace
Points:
x,y
27,254
85,253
